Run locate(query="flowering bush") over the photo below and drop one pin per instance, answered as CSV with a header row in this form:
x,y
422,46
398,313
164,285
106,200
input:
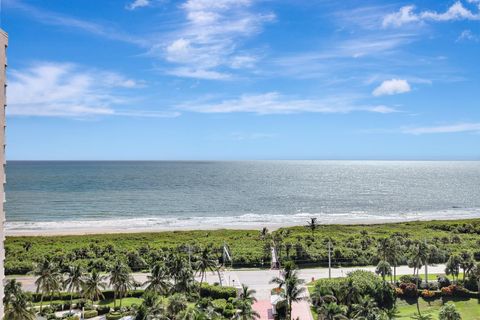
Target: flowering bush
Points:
x,y
448,291
409,290
428,294
398,292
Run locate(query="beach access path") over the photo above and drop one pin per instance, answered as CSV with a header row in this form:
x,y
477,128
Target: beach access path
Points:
x,y
259,280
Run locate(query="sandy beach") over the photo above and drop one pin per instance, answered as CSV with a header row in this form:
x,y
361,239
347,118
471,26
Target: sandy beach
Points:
x,y
102,227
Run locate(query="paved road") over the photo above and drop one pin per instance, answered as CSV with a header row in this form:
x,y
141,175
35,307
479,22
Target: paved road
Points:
x,y
259,279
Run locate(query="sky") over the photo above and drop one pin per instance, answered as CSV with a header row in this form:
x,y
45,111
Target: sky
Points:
x,y
242,79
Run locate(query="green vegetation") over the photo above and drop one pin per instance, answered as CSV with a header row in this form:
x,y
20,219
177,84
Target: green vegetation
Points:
x,y
171,292
353,245
356,245
469,309
138,250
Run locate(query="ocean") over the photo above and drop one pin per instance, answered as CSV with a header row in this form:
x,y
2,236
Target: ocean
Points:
x,y
94,195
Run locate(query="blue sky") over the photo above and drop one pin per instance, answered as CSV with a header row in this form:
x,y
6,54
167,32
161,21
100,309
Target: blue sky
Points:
x,y
243,79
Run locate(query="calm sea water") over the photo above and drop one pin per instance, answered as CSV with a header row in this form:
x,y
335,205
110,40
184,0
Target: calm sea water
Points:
x,y
133,195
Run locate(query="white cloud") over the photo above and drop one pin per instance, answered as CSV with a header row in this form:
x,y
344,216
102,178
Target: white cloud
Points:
x,y
467,35
68,90
138,4
403,16
206,45
451,128
406,15
275,103
390,87
57,19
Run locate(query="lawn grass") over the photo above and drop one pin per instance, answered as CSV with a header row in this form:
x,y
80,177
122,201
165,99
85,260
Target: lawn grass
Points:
x,y
126,302
469,309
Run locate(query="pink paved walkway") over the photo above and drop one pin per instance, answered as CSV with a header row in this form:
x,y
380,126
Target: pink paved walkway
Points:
x,y
301,310
264,309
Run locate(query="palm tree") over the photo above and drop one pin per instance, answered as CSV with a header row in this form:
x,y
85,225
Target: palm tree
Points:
x,y
204,264
418,255
176,304
20,308
383,248
475,272
349,294
244,304
366,309
158,280
192,313
12,290
93,285
151,308
394,255
120,280
383,269
466,263
312,225
332,311
322,295
453,266
48,281
292,285
74,281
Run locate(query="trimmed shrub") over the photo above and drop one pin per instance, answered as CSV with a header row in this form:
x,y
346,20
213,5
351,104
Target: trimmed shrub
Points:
x,y
113,316
217,292
90,314
409,290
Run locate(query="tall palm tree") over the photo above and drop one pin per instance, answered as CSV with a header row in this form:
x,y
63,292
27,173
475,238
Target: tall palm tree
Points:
x,y
466,263
452,266
48,281
158,280
206,263
383,248
293,287
417,259
19,308
244,304
93,285
383,269
476,274
121,281
394,255
12,290
74,281
312,225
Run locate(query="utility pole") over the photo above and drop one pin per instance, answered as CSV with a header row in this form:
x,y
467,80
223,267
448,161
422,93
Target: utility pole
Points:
x,y
329,259
426,262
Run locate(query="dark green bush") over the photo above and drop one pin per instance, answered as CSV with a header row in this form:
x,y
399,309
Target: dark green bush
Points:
x,y
217,292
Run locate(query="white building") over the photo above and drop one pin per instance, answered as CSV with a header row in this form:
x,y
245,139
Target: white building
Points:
x,y
3,103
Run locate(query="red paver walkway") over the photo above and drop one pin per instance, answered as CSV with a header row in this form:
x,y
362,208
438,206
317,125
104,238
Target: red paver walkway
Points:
x,y
264,309
301,310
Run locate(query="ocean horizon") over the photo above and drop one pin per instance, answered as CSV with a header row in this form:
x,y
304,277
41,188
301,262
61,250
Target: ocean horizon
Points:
x,y
69,196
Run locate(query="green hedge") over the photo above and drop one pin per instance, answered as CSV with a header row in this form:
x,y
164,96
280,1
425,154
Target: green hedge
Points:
x,y
217,292
90,314
114,316
67,296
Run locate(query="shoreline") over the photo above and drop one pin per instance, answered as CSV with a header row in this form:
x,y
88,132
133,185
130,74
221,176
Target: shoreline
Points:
x,y
271,226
